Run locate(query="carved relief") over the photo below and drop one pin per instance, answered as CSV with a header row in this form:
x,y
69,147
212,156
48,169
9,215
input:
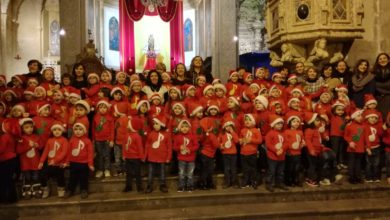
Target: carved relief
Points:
x,y
318,53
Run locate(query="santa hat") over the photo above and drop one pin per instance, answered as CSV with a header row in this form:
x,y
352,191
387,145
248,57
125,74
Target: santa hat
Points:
x,y
292,76
341,87
275,119
208,87
255,85
371,113
4,106
93,75
272,88
75,93
180,105
161,120
228,123
85,104
194,108
141,102
82,125
19,106
108,73
134,77
57,124
176,89
338,103
182,122
200,77
134,124
104,102
42,106
12,92
297,90
263,100
29,90
61,92
120,73
20,78
310,117
248,95
326,91
251,117
134,82
292,100
219,86
23,121
186,88
3,78
116,89
234,99
275,75
291,116
246,75
155,96
121,108
216,81
232,73
212,107
32,79
263,91
166,74
369,99
356,113
40,88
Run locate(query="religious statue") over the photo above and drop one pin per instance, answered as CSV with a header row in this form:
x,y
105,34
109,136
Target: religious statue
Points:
x,y
289,55
338,55
318,53
151,54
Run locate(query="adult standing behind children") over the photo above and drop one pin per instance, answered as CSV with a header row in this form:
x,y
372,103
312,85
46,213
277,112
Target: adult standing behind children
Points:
x,y
381,71
362,82
197,69
154,85
34,71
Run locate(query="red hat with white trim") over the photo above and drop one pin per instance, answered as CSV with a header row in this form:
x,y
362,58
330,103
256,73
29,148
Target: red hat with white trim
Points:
x,y
135,82
356,113
220,86
272,88
116,89
234,99
246,75
206,88
275,119
183,121
40,88
310,117
296,89
228,123
251,117
103,101
141,102
80,124
90,75
23,121
194,108
292,76
232,73
371,113
57,124
85,104
216,81
12,92
161,120
200,77
293,100
42,106
186,88
338,103
20,78
19,106
291,115
166,74
29,91
341,87
212,106
275,75
369,99
120,73
263,100
155,95
181,105
176,89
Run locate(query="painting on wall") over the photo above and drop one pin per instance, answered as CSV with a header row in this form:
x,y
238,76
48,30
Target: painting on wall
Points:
x,y
188,35
113,34
54,38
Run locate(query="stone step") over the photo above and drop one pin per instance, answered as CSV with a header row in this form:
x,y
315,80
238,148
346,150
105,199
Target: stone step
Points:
x,y
119,202
363,208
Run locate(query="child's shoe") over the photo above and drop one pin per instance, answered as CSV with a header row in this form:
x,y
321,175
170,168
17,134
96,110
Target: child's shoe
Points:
x,y
325,182
38,193
127,189
107,173
26,192
149,189
61,192
99,174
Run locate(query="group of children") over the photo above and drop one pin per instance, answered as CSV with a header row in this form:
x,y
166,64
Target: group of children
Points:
x,y
301,134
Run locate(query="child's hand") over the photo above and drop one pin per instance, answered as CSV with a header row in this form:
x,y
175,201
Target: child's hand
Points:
x,y
327,138
51,163
369,153
40,165
92,168
352,145
279,152
111,144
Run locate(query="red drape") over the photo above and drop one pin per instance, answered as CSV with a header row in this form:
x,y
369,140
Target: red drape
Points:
x,y
131,11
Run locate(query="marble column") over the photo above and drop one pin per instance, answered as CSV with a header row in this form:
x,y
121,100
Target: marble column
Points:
x,y
224,28
73,21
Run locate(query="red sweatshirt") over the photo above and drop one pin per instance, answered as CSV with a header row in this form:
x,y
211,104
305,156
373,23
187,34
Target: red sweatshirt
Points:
x,y
103,127
28,155
43,128
233,89
60,112
354,132
56,151
236,117
158,147
196,129
228,142
314,142
294,141
133,147
80,150
92,93
337,126
186,146
7,147
255,137
373,135
386,139
274,141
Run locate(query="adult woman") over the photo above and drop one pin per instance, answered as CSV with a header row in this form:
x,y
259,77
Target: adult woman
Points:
x,y
362,82
327,75
179,75
34,71
79,76
382,82
154,85
342,72
197,69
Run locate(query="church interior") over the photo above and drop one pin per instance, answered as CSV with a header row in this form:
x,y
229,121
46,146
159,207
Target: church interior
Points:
x,y
265,39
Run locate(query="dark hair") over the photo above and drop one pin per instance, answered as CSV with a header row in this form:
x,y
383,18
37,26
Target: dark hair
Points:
x,y
149,82
240,68
333,110
307,71
325,67
37,62
75,66
377,66
175,70
311,125
105,91
355,70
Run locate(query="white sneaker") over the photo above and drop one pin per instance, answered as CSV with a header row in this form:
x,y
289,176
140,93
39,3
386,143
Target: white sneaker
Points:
x,y
325,182
99,174
45,193
61,192
338,178
107,173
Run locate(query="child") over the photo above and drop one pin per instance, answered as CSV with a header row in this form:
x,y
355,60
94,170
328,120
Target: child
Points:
x,y
294,140
178,113
325,103
133,154
66,84
233,87
59,107
373,131
39,99
276,154
80,158
43,122
200,85
92,91
220,91
105,79
386,141
186,145
28,148
120,81
156,107
250,138
56,153
261,77
196,114
228,140
8,166
166,78
49,82
234,112
82,109
370,104
314,82
174,95
337,128
103,136
158,152
136,95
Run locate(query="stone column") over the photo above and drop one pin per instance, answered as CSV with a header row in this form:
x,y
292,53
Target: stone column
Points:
x,y
3,19
224,28
72,17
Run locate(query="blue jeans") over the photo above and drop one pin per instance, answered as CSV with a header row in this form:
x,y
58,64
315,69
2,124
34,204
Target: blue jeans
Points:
x,y
102,155
338,148
119,164
155,168
372,166
186,173
230,168
275,173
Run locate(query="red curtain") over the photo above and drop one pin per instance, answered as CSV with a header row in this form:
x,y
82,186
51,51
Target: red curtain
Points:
x,y
131,11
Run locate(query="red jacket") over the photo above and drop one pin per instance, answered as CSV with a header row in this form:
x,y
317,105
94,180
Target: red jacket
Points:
x,y
56,151
103,127
7,147
92,93
373,135
196,129
294,141
314,142
121,129
33,107
43,128
28,155
354,132
274,141
156,110
133,102
233,89
210,126
186,146
80,150
228,142
133,147
236,117
173,123
158,147
386,139
337,126
255,137
60,112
